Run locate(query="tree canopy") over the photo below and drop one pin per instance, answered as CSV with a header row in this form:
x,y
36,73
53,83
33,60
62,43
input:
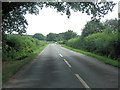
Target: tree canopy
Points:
x,y
61,36
69,34
112,23
13,12
39,36
51,37
92,27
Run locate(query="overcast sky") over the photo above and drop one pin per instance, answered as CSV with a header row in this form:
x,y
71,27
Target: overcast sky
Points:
x,y
49,20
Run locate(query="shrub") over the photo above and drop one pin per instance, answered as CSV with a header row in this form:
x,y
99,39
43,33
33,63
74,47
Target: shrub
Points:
x,y
104,43
17,47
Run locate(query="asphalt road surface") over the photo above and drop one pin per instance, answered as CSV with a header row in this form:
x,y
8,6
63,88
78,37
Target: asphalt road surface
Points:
x,y
58,67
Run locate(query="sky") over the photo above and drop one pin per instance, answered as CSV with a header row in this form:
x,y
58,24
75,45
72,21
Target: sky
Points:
x,y
49,20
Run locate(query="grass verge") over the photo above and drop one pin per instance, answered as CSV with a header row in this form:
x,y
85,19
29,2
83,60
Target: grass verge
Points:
x,y
9,68
104,59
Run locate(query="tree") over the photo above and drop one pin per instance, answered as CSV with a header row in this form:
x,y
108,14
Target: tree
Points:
x,y
58,37
112,23
13,15
69,34
13,12
51,37
91,27
39,36
61,36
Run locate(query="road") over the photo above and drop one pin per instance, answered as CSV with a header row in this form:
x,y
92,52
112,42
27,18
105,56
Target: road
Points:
x,y
58,67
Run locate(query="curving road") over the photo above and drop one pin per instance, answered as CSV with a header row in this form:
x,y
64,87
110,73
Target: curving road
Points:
x,y
58,67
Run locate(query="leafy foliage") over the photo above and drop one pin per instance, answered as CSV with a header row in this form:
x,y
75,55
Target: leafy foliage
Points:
x,y
13,15
91,8
18,47
100,43
69,34
51,37
61,36
113,24
91,27
39,36
13,19
106,43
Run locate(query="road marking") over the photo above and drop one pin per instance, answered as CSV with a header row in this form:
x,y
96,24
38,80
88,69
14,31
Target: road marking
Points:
x,y
82,81
60,55
67,63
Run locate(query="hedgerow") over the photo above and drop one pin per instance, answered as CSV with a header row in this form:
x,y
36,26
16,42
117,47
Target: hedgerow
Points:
x,y
16,47
105,43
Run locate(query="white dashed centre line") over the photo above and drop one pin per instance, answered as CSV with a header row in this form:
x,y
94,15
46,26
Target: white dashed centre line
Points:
x,y
67,63
60,55
82,81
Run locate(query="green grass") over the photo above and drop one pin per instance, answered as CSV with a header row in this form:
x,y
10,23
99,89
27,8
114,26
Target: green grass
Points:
x,y
104,59
9,68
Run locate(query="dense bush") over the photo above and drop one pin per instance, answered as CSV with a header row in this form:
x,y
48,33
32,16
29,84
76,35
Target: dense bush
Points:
x,y
18,47
105,43
74,42
100,38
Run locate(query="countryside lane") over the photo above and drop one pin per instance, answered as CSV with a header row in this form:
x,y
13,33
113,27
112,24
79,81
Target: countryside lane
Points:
x,y
58,67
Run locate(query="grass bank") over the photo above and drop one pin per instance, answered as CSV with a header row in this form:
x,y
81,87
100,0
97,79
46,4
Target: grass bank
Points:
x,y
104,59
9,68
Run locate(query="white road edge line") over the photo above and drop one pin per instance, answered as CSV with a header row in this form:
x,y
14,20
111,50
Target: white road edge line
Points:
x,y
82,81
67,63
60,55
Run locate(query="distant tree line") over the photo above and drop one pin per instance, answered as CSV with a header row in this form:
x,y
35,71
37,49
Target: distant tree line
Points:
x,y
56,37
